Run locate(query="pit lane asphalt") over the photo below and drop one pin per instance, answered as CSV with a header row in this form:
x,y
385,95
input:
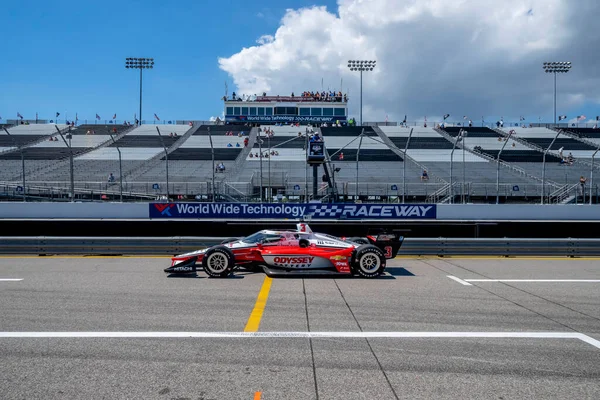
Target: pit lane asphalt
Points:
x,y
62,294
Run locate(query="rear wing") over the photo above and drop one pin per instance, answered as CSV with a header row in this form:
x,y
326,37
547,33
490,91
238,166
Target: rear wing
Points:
x,y
390,243
303,227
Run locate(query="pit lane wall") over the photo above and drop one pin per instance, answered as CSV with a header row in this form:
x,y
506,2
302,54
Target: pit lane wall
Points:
x,y
296,211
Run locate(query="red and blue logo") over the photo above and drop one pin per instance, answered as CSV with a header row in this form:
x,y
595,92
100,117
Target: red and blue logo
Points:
x,y
164,209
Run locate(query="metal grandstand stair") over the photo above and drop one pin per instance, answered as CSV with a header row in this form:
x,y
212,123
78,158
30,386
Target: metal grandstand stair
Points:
x,y
573,135
560,193
150,163
512,168
63,162
240,161
553,153
400,152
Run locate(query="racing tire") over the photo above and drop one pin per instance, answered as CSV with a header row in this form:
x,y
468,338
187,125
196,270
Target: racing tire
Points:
x,y
218,262
359,240
369,261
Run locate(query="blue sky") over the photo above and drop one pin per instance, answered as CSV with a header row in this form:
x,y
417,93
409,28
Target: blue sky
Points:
x,y
69,56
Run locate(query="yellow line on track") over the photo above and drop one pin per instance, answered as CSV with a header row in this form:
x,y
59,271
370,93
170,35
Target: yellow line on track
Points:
x,y
259,307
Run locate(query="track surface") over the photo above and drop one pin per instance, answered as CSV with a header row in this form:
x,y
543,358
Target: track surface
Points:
x,y
132,295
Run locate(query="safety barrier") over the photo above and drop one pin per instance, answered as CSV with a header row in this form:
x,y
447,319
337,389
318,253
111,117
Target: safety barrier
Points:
x,y
45,245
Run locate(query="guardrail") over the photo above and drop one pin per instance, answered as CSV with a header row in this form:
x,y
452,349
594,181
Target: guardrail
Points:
x,y
45,245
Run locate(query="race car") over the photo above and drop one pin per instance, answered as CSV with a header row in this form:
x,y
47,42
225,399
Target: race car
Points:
x,y
287,252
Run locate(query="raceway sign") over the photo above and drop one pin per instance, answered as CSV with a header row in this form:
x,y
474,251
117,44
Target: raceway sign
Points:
x,y
291,211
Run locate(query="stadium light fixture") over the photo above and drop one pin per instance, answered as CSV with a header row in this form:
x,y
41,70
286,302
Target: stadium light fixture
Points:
x,y
361,66
556,67
141,64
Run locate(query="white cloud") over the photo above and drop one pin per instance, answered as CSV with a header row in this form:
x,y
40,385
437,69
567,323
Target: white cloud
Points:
x,y
477,57
265,39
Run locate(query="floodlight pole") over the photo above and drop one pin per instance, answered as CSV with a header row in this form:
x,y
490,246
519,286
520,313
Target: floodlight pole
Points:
x,y
166,158
139,63
404,167
70,162
357,155
554,98
120,168
141,97
498,167
544,165
361,107
212,156
260,157
464,135
592,173
361,65
554,68
306,167
22,160
452,167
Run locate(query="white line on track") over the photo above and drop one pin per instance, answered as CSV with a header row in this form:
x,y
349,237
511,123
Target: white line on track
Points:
x,y
462,282
535,280
500,335
9,280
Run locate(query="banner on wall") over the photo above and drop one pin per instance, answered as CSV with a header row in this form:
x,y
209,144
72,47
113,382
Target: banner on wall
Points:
x,y
281,118
291,211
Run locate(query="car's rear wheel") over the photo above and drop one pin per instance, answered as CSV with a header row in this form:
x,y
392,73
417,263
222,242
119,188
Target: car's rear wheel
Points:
x,y
218,261
369,261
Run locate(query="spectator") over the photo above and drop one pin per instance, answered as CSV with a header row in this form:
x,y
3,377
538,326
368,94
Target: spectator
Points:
x,y
425,175
111,177
582,182
246,142
341,156
237,144
229,145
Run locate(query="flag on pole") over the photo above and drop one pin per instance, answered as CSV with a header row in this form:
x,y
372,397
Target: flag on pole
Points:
x,y
445,116
561,117
156,116
19,115
57,114
464,117
404,120
97,117
580,117
522,118
115,116
76,118
386,118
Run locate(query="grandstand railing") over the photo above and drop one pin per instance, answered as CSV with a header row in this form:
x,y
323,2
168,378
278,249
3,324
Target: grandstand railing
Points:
x,y
247,192
483,124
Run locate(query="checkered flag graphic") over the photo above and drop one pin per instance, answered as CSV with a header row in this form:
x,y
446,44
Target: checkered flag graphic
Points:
x,y
325,210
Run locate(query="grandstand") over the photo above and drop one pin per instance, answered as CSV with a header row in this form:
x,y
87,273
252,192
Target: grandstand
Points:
x,y
369,162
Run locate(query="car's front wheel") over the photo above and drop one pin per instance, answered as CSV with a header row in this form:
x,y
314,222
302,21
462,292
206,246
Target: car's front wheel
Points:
x,y
369,261
218,261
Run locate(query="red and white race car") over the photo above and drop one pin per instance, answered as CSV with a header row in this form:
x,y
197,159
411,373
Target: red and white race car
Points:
x,y
299,251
